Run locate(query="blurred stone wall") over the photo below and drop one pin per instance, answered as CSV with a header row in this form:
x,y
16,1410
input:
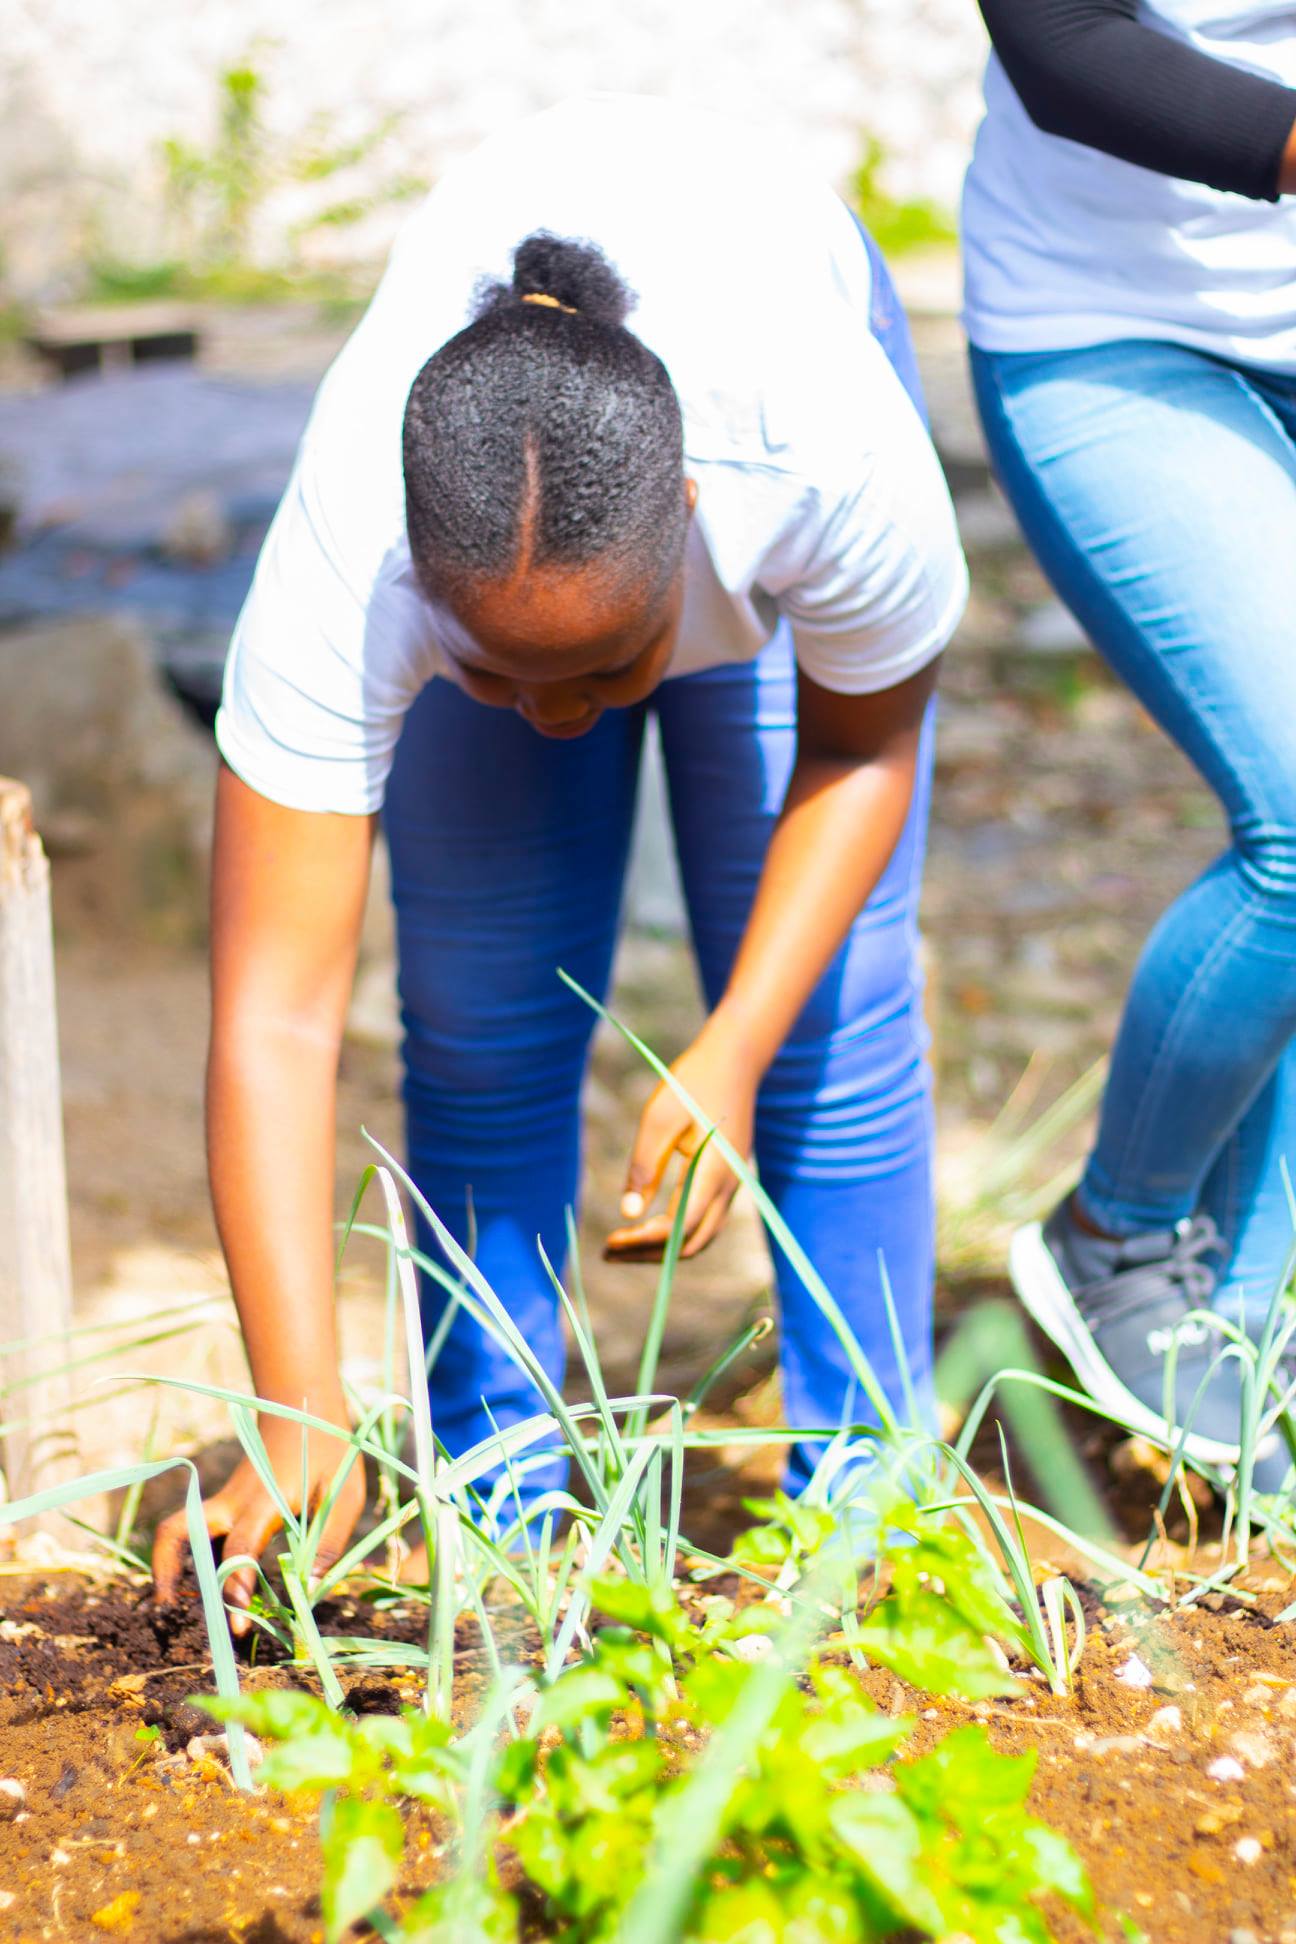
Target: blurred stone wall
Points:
x,y
88,91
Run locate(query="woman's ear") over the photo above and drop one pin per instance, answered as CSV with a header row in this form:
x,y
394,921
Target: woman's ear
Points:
x,y
690,494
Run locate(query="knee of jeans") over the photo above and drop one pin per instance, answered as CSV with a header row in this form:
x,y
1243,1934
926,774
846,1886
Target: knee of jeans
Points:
x,y
848,1127
1266,854
481,1080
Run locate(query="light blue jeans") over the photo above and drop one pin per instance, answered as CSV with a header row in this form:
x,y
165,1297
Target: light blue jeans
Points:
x,y
1157,487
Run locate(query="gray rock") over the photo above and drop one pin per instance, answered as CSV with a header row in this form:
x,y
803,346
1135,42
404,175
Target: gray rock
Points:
x,y
112,760
1051,630
199,530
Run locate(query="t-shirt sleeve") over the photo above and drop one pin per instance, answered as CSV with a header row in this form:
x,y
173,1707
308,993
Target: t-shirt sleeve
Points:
x,y
883,585
1095,71
333,644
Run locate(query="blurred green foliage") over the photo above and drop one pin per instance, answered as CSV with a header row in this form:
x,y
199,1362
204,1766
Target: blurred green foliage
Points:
x,y
214,195
895,225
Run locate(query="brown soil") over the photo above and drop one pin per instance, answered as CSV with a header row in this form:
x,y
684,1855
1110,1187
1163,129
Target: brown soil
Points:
x,y
121,1832
125,1836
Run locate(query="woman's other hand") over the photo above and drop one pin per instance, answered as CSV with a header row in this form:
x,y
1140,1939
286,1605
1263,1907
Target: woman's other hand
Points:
x,y
718,1072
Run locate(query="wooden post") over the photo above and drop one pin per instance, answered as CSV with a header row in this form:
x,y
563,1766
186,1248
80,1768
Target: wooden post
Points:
x,y
35,1259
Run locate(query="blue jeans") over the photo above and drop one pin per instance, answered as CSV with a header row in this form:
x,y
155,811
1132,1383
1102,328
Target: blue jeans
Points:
x,y
1157,487
508,855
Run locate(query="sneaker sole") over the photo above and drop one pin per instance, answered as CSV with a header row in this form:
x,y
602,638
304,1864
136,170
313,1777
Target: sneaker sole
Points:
x,y
1042,1291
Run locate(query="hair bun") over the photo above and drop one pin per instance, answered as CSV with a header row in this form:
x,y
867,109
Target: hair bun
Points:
x,y
576,275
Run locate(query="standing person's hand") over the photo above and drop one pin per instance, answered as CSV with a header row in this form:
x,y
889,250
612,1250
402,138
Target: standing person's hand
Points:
x,y
243,1515
719,1073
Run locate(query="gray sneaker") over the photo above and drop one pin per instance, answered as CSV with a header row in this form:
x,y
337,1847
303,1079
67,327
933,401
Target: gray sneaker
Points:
x,y
1114,1309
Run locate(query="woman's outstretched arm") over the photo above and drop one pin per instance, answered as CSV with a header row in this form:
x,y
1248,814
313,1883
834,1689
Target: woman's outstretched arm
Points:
x,y
288,891
842,817
1094,72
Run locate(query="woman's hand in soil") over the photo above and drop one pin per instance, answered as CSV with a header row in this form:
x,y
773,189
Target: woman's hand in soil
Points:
x,y
245,1517
719,1074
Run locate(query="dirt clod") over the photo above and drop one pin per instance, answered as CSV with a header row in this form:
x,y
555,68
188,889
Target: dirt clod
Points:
x,y
117,1917
373,1697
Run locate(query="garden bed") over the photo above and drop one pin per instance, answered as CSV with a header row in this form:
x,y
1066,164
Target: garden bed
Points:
x,y
1178,1794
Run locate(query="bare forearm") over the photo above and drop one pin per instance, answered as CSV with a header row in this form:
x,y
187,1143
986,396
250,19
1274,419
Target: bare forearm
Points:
x,y
288,890
271,1113
839,826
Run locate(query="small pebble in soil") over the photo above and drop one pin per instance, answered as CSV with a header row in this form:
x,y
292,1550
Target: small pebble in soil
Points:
x,y
7,1897
1253,1746
12,1797
1166,1721
1248,1849
1243,1937
1226,1768
209,1747
118,1917
1134,1673
751,1647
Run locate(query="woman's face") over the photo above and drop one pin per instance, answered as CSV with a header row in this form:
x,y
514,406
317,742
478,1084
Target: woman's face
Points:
x,y
557,657
559,647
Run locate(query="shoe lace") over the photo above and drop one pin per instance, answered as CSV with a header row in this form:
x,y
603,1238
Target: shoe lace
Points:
x,y
1182,1273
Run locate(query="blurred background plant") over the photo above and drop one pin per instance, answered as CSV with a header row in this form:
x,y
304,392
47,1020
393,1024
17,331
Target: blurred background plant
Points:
x,y
215,193
896,224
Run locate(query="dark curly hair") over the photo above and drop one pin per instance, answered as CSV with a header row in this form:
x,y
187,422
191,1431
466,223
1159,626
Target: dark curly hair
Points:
x,y
545,433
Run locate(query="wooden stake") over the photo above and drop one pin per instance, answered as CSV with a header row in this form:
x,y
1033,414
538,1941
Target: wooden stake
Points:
x,y
35,1261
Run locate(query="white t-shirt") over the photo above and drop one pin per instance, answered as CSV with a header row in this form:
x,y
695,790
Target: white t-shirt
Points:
x,y
1066,246
819,494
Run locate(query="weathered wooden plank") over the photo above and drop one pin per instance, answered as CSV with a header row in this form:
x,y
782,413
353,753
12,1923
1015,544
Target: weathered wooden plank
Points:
x,y
35,1264
83,337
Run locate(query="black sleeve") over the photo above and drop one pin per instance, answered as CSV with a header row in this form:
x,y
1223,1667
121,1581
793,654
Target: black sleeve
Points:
x,y
1092,71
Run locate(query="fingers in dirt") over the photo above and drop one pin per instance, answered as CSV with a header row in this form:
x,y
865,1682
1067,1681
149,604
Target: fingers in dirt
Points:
x,y
250,1535
171,1544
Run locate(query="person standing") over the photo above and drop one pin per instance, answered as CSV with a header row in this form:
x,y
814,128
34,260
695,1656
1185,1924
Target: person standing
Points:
x,y
1130,241
631,425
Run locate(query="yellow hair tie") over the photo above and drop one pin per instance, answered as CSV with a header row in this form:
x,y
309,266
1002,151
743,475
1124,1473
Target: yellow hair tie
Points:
x,y
551,303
